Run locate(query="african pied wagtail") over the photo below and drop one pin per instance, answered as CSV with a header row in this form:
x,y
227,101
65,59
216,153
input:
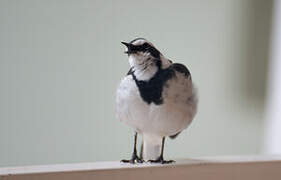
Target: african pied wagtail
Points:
x,y
156,98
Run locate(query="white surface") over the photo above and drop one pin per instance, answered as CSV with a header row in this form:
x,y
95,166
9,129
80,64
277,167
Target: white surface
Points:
x,y
117,165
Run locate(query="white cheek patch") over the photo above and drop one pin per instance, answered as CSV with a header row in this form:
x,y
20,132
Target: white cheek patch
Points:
x,y
131,61
139,56
145,54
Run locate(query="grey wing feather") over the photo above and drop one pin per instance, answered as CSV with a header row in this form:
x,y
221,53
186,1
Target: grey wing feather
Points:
x,y
181,68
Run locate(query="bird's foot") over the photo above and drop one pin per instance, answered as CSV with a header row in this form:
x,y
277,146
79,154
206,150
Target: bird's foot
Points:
x,y
133,160
161,161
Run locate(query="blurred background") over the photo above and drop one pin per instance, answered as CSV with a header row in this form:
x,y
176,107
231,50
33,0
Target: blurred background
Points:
x,y
61,61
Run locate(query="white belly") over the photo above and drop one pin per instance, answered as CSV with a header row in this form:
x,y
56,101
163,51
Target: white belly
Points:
x,y
167,119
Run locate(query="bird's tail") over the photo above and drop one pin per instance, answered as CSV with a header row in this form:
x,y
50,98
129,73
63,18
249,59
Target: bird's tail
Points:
x,y
151,146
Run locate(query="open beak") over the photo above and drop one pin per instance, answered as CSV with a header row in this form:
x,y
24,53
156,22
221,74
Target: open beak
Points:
x,y
129,47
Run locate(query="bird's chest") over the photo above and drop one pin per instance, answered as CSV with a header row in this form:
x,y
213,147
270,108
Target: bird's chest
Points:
x,y
150,91
129,97
130,106
135,111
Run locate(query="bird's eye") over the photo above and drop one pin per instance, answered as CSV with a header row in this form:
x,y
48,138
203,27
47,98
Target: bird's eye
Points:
x,y
146,46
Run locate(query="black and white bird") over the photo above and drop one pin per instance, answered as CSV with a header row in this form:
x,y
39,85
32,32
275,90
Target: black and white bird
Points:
x,y
156,98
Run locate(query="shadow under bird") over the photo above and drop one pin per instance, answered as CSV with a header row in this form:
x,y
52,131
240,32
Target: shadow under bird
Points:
x,y
156,98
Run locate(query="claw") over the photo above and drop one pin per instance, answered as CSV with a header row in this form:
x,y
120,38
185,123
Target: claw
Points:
x,y
135,159
161,161
139,160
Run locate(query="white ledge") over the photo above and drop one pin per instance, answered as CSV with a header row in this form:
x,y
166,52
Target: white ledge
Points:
x,y
244,167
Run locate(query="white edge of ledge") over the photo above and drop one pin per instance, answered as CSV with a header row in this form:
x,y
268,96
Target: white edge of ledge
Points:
x,y
111,165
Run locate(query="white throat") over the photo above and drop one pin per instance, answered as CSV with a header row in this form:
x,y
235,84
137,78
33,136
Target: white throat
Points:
x,y
144,68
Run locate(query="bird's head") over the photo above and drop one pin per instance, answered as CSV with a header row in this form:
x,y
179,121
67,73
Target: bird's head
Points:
x,y
140,50
144,58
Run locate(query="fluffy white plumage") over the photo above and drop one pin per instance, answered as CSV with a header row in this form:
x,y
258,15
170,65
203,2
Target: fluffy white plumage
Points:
x,y
155,121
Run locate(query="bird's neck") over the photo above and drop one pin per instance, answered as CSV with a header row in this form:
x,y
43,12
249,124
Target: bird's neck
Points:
x,y
144,69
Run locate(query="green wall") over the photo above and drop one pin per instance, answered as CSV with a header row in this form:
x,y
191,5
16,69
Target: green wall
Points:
x,y
61,61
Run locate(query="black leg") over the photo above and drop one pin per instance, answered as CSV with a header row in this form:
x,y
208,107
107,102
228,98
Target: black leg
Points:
x,y
160,159
135,157
141,151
